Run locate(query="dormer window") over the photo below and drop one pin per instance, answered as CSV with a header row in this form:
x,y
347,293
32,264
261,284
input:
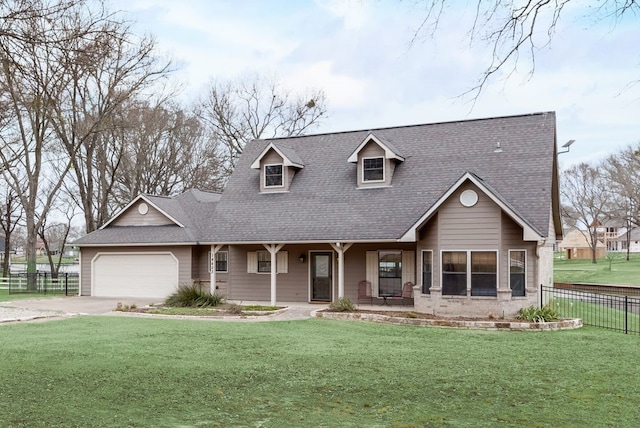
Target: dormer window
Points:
x,y
373,169
376,159
273,175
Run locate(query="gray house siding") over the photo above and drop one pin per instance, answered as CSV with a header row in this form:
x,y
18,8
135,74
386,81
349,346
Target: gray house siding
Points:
x,y
482,227
132,217
183,254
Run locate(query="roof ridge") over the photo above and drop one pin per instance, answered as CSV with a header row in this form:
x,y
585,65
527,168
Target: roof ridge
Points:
x,y
415,125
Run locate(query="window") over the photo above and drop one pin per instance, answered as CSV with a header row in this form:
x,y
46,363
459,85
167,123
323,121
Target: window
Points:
x,y
221,261
264,261
390,272
273,175
373,169
454,273
260,262
517,272
484,273
480,276
427,271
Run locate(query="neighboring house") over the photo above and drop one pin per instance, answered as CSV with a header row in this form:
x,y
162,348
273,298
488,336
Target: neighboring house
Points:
x,y
620,243
577,245
2,247
468,211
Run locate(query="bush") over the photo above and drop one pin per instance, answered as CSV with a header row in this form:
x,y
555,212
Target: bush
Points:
x,y
543,314
194,296
343,304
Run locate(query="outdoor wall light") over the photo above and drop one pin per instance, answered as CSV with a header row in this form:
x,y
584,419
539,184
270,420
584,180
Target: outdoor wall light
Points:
x,y
303,257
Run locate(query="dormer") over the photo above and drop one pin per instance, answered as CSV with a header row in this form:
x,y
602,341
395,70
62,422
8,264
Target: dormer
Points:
x,y
376,160
278,164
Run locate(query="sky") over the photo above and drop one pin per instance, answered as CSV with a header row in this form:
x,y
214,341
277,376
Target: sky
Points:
x,y
363,54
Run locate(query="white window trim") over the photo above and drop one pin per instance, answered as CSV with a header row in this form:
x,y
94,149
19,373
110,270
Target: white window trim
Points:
x,y
211,262
422,267
526,269
468,252
264,175
384,169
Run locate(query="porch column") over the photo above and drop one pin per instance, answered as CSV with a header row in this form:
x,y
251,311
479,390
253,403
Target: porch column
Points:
x,y
341,248
273,250
212,279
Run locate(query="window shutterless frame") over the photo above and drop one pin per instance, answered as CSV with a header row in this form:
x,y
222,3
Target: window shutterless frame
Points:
x,y
222,261
518,272
273,175
427,271
459,275
373,169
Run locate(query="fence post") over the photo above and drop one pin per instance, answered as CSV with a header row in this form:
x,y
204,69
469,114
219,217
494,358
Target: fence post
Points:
x,y
626,314
66,283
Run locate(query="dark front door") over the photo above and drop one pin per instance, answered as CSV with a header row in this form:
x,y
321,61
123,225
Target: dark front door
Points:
x,y
321,277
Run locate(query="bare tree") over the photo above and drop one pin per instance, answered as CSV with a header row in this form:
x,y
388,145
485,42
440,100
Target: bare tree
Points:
x,y
622,170
588,200
164,153
238,111
106,69
44,47
518,28
10,214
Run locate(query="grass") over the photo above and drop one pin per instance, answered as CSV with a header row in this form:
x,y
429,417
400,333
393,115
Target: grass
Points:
x,y
597,314
113,372
6,297
616,270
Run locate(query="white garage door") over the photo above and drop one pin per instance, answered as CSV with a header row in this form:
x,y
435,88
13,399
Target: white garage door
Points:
x,y
134,275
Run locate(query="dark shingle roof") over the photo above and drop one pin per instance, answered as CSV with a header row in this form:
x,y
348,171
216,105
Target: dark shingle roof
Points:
x,y
324,204
192,209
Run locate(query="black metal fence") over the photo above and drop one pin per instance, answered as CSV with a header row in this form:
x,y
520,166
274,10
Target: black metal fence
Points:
x,y
619,312
43,283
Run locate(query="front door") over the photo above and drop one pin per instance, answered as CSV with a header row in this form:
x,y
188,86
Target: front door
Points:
x,y
321,276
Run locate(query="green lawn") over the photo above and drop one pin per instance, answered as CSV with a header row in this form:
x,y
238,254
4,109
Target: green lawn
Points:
x,y
619,271
6,297
112,371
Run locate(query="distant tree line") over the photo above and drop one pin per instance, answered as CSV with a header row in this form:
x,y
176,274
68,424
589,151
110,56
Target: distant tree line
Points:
x,y
90,118
607,191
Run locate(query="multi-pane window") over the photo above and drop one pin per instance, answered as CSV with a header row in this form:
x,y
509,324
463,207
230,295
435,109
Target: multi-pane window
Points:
x,y
480,276
517,272
427,271
390,272
221,261
373,169
484,273
273,175
454,273
264,261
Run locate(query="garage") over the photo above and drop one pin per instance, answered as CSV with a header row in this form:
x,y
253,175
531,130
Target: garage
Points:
x,y
134,274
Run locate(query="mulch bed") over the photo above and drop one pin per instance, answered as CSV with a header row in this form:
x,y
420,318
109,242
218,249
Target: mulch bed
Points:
x,y
420,315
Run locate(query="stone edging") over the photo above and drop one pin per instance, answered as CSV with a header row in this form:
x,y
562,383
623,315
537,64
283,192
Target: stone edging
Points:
x,y
566,324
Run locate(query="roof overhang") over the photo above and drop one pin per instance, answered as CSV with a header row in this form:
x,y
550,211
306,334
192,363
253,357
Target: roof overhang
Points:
x,y
389,152
286,160
528,232
148,201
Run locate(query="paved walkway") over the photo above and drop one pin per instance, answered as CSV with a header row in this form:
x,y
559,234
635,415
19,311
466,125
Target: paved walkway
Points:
x,y
56,307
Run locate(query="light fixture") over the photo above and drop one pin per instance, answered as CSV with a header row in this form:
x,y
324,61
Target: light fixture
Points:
x,y
497,149
566,146
303,257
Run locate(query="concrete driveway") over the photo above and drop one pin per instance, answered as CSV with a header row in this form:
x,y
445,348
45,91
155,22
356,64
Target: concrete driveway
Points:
x,y
79,305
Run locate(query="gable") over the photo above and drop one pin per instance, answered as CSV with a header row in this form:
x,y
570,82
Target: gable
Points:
x,y
142,213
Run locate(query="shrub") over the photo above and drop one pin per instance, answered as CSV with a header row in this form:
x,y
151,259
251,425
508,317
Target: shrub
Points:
x,y
234,308
192,295
543,314
343,304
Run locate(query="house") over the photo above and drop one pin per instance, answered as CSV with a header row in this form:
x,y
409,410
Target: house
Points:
x,y
577,245
468,211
